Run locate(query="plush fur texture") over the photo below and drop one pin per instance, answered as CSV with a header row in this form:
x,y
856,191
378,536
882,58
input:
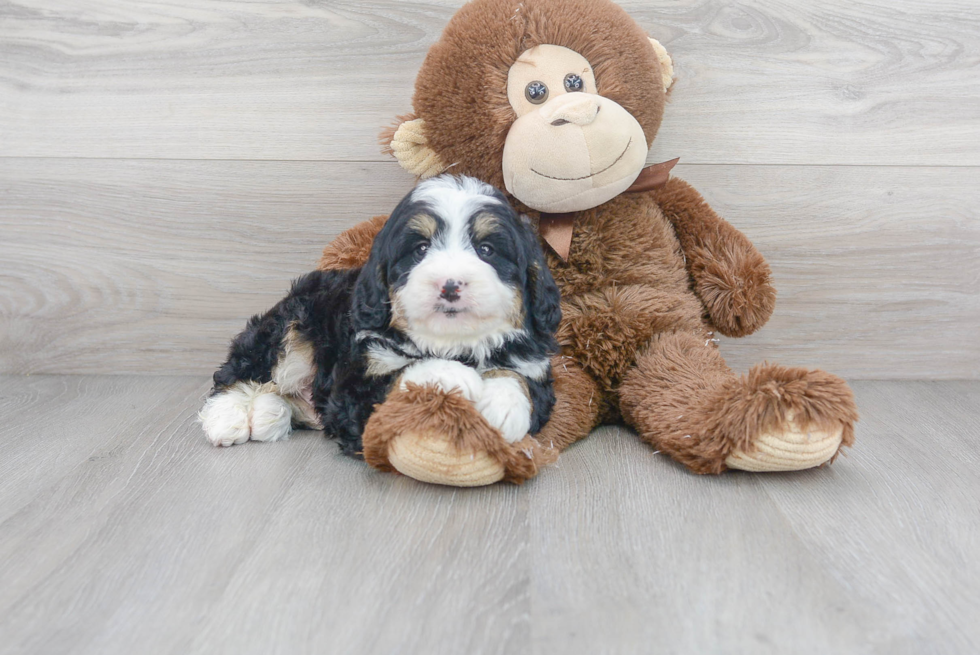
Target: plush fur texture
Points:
x,y
684,400
735,288
453,294
650,277
420,410
465,106
352,248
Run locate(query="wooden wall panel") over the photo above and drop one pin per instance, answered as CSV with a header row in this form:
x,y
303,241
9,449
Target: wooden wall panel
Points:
x,y
759,81
152,266
167,167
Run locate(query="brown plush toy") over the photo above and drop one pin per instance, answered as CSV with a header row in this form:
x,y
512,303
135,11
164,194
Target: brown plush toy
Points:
x,y
558,101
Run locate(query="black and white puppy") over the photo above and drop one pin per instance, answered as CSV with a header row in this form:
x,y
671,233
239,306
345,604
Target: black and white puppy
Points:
x,y
455,294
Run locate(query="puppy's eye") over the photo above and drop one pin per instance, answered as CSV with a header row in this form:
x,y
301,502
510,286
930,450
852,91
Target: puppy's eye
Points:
x,y
574,83
536,92
421,249
485,251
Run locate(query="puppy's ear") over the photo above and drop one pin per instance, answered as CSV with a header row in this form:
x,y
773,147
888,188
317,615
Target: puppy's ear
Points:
x,y
371,299
370,308
542,300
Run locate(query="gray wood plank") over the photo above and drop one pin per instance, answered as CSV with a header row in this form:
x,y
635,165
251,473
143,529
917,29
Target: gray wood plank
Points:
x,y
760,81
152,266
137,536
874,554
161,543
54,424
385,565
899,524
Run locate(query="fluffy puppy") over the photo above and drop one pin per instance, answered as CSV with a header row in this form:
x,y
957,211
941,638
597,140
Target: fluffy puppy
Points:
x,y
455,294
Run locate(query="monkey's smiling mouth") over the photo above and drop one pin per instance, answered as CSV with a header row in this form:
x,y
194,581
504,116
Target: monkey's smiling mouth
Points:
x,y
585,177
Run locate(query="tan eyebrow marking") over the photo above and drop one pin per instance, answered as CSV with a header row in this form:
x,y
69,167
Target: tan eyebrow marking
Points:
x,y
424,225
485,225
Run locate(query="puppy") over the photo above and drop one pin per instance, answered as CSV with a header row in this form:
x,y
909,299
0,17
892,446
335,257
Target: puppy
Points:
x,y
455,294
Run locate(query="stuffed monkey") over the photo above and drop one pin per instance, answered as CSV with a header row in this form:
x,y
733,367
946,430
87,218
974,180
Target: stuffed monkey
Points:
x,y
557,102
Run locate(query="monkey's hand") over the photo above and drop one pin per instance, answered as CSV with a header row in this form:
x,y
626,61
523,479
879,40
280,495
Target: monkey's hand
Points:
x,y
604,329
440,437
730,276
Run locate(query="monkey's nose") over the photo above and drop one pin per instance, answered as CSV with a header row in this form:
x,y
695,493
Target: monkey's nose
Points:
x,y
576,108
450,291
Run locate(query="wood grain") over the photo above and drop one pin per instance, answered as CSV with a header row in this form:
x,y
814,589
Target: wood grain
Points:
x,y
150,540
122,531
873,554
759,81
152,266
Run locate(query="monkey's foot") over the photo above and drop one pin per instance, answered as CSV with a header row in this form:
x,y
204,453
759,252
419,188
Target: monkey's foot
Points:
x,y
801,419
441,438
791,448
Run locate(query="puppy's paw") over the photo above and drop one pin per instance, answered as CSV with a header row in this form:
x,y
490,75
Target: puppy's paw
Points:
x,y
225,417
446,375
244,411
506,407
271,417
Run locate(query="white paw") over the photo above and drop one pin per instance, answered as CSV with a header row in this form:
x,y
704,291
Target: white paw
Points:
x,y
446,375
506,408
225,417
271,417
247,410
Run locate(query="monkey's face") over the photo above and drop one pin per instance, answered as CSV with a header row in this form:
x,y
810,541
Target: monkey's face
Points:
x,y
569,148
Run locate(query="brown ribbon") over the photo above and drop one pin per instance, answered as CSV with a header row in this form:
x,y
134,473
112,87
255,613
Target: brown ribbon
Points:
x,y
557,229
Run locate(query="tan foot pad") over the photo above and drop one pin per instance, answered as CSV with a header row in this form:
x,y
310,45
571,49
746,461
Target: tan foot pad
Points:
x,y
789,449
440,438
437,461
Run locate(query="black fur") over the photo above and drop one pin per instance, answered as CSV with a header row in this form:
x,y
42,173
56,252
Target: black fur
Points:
x,y
343,313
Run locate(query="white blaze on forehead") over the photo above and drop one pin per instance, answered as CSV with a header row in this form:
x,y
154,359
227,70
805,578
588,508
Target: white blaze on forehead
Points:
x,y
455,200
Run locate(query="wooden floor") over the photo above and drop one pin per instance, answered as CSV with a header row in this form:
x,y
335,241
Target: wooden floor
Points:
x,y
121,531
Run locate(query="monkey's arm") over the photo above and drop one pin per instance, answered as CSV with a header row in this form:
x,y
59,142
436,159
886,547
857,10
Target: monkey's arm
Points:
x,y
351,248
730,276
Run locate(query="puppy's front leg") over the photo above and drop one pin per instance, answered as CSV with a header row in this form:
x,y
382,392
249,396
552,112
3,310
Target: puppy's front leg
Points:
x,y
446,375
506,404
246,410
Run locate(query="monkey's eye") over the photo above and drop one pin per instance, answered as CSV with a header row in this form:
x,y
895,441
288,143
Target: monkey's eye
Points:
x,y
574,83
485,250
421,249
536,92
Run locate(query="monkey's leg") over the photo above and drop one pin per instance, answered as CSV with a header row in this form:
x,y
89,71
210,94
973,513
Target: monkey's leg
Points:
x,y
578,401
441,438
683,399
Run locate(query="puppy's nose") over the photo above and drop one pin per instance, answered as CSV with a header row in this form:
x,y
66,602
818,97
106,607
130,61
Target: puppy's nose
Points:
x,y
577,108
450,291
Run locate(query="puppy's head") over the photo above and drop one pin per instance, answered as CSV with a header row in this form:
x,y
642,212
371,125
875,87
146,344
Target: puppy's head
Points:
x,y
454,268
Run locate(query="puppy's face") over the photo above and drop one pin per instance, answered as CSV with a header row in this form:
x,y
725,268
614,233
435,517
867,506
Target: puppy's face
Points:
x,y
453,261
456,276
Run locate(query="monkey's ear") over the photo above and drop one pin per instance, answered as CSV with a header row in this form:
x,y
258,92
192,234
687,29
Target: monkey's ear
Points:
x,y
666,65
406,140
